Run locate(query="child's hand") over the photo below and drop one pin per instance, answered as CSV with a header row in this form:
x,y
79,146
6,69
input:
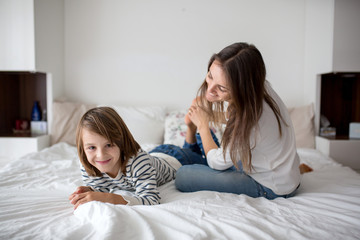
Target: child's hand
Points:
x,y
80,198
81,189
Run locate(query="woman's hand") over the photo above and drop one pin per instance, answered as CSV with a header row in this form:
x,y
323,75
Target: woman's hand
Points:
x,y
198,117
191,127
187,119
85,194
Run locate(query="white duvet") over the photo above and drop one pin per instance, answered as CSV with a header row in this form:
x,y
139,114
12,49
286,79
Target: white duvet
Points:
x,y
34,205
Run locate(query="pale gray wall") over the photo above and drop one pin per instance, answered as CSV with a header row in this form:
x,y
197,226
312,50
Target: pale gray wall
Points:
x,y
346,36
49,41
17,49
156,52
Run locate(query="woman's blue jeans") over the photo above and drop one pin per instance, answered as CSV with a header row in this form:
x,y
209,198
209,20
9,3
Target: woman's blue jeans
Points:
x,y
196,175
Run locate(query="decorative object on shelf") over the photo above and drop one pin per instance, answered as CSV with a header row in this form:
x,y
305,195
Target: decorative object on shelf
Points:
x,y
44,115
354,130
38,125
328,131
22,127
21,124
38,128
36,113
325,129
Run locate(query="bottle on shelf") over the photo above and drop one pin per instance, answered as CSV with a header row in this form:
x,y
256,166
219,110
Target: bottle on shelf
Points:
x,y
36,113
44,115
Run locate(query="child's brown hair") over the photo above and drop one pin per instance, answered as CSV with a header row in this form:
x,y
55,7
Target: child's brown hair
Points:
x,y
106,122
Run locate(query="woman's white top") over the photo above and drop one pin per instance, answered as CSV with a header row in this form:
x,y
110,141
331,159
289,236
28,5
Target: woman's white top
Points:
x,y
275,161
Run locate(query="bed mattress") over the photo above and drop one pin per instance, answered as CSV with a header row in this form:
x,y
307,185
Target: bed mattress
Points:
x,y
34,205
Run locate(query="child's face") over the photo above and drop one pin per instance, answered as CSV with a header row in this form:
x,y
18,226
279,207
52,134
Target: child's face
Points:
x,y
101,153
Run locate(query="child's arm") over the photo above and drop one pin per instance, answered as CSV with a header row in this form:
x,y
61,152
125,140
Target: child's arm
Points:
x,y
81,189
79,197
143,178
93,192
143,175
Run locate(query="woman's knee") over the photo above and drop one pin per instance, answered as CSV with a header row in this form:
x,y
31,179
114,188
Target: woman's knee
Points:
x,y
182,178
186,176
196,177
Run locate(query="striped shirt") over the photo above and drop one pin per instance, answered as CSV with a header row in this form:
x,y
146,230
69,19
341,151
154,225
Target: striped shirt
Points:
x,y
144,173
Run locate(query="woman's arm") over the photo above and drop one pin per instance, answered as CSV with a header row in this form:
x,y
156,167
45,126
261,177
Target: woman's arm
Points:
x,y
214,154
191,127
190,136
200,119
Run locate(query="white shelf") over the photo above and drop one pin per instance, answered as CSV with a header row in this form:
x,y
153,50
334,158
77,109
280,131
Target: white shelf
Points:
x,y
15,147
344,151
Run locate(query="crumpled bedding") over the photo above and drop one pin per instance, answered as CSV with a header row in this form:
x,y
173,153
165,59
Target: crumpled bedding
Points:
x,y
34,205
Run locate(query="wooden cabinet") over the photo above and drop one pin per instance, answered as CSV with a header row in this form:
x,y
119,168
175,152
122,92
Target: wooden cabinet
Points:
x,y
18,91
338,99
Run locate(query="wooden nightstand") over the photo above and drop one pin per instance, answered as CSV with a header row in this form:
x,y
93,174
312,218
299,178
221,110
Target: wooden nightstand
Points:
x,y
345,151
15,147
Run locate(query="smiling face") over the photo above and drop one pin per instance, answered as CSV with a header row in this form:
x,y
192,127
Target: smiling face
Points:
x,y
101,153
217,87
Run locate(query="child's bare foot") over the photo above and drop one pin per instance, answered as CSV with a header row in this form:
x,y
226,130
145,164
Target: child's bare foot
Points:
x,y
305,168
187,119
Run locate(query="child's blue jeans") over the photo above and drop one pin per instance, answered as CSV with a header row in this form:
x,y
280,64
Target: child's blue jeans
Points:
x,y
189,153
196,175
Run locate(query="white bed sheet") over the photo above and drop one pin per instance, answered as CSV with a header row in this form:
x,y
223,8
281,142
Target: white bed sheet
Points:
x,y
34,205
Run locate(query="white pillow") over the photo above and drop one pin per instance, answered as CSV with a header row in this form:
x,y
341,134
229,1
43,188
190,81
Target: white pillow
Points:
x,y
66,116
175,128
302,118
145,123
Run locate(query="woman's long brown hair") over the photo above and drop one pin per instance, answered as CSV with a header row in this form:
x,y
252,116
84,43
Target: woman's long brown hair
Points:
x,y
245,70
106,122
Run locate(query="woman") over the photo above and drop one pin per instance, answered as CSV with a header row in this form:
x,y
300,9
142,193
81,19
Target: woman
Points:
x,y
257,155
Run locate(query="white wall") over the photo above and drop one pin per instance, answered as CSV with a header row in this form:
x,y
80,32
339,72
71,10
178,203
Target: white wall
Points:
x,y
346,52
32,38
17,47
156,52
319,23
49,41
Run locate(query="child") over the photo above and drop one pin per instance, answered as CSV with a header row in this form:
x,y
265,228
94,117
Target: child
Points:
x,y
112,160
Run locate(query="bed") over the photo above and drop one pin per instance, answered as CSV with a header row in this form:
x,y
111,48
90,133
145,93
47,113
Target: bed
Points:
x,y
35,188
